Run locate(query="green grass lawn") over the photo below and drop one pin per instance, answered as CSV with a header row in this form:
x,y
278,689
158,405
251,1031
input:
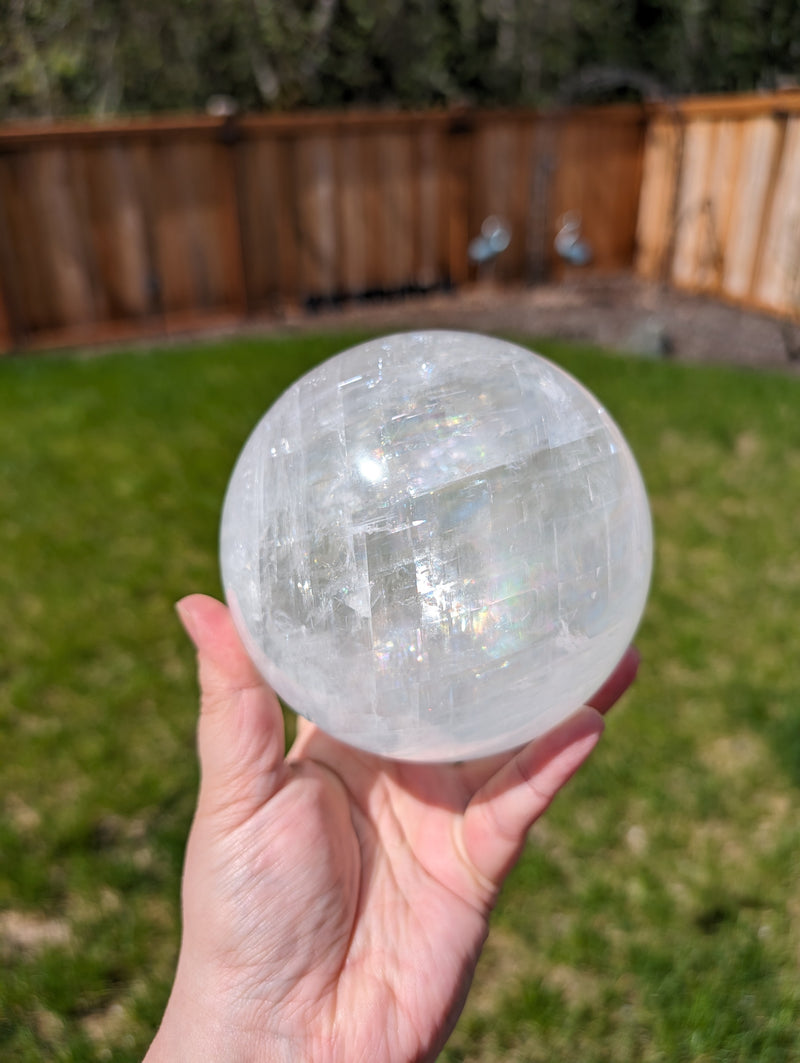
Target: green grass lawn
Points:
x,y
656,912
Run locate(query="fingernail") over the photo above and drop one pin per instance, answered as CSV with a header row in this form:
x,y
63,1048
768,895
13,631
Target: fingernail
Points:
x,y
186,616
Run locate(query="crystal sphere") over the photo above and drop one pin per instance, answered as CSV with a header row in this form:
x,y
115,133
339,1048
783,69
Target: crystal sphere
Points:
x,y
436,545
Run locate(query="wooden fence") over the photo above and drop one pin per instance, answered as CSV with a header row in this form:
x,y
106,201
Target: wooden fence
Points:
x,y
116,230
720,199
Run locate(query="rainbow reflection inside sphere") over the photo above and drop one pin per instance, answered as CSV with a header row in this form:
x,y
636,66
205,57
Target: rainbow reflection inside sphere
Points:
x,y
436,545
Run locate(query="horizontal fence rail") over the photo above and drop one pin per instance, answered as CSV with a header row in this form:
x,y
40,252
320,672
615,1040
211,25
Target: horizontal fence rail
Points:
x,y
720,199
157,226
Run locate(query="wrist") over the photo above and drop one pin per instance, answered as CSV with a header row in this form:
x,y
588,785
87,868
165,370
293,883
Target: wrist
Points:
x,y
198,1027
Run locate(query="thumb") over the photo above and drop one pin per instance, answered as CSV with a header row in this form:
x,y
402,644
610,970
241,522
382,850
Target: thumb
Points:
x,y
240,733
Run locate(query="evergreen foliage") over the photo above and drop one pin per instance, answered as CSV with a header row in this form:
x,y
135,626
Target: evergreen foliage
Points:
x,y
67,57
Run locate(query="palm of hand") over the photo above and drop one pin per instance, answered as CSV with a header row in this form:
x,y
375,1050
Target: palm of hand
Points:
x,y
365,945
337,902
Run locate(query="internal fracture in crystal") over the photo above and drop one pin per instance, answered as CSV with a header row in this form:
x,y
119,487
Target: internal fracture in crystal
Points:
x,y
436,545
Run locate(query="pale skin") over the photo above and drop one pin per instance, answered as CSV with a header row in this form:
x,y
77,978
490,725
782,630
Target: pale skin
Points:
x,y
335,903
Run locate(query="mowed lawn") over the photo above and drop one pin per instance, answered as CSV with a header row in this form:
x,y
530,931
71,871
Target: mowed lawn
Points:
x,y
655,914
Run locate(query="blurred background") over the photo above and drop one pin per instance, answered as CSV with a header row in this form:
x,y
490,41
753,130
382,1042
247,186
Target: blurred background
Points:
x,y
198,203
79,57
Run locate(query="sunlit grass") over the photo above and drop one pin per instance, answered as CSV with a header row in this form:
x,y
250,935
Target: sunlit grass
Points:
x,y
656,913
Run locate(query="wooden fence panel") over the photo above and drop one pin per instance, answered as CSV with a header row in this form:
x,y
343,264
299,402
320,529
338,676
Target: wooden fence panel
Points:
x,y
734,228
167,224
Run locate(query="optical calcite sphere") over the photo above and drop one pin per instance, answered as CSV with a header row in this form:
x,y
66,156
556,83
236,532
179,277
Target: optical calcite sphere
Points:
x,y
436,545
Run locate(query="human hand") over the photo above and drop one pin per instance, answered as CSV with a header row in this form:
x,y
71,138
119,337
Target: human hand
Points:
x,y
335,903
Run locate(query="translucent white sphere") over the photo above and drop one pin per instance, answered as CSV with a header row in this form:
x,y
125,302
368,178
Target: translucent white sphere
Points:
x,y
436,545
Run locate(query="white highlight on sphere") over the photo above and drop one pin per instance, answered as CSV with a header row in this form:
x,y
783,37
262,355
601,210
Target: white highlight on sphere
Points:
x,y
436,545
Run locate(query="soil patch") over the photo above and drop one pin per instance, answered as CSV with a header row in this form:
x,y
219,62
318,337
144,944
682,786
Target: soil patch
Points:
x,y
620,312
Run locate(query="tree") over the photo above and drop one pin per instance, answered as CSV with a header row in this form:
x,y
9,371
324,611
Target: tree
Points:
x,y
60,57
